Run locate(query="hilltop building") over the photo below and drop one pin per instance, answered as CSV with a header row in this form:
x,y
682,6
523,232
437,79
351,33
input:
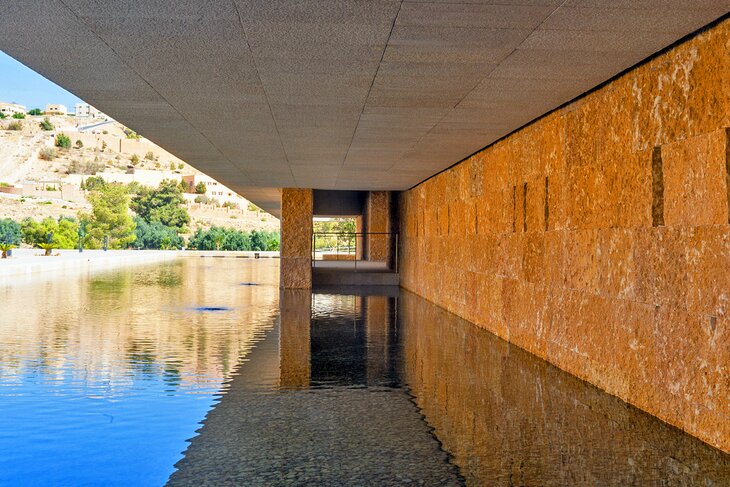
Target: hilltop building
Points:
x,y
10,109
214,190
84,110
55,109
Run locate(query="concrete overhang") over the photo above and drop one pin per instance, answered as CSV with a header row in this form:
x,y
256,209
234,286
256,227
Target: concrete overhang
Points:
x,y
346,94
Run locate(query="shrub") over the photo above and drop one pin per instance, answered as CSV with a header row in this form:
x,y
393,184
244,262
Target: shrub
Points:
x,y
150,156
46,124
79,144
103,145
134,159
2,116
47,154
172,166
19,116
10,232
105,132
35,112
252,207
232,205
201,198
200,188
180,166
131,134
63,141
15,126
84,167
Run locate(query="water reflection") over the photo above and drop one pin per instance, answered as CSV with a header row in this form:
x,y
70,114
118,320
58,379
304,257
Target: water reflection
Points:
x,y
509,418
371,390
104,377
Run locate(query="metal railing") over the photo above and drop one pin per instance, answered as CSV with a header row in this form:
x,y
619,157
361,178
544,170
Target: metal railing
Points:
x,y
351,247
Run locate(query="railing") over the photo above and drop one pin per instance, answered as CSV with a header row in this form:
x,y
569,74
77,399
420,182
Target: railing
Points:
x,y
350,247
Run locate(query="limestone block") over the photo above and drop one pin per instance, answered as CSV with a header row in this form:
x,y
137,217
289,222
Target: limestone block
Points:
x,y
695,180
708,270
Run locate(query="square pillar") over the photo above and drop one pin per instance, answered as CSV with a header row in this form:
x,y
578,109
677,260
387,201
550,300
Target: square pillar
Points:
x,y
378,222
294,341
296,238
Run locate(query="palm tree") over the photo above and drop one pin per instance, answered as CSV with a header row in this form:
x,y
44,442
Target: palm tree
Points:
x,y
4,247
48,247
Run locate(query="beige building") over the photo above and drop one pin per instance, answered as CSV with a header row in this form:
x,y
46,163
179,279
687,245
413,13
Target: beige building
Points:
x,y
10,109
213,190
84,110
55,109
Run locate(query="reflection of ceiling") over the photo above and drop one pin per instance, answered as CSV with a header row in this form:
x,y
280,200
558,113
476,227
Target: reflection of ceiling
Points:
x,y
378,94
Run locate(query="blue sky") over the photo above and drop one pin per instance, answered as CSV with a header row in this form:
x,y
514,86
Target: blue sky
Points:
x,y
21,84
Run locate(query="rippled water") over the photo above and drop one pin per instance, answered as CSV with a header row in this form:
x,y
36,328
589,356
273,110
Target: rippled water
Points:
x,y
104,378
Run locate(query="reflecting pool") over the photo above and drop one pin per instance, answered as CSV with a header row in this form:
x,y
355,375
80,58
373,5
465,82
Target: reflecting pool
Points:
x,y
201,372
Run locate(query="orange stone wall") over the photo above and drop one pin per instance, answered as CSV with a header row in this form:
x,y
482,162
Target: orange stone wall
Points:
x,y
296,238
597,237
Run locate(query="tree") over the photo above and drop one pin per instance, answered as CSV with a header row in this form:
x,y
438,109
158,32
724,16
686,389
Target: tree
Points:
x,y
163,204
10,232
2,116
94,183
201,188
63,141
35,112
155,235
63,232
258,242
46,124
109,218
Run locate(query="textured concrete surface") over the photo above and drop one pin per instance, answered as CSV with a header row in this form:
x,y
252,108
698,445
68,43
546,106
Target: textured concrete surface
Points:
x,y
296,238
335,95
547,238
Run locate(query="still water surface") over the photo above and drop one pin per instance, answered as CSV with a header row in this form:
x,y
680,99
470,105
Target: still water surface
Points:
x,y
200,372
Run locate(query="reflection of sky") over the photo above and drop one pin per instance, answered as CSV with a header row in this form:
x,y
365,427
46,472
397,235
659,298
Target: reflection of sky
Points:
x,y
104,378
64,430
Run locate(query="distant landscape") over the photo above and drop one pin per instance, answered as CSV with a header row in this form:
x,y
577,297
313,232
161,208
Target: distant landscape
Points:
x,y
67,180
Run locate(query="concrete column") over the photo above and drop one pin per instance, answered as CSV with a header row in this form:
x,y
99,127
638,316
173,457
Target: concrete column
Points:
x,y
296,238
294,341
359,241
378,219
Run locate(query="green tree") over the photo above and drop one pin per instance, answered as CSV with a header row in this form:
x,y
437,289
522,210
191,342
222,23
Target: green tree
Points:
x,y
109,217
201,188
2,116
63,141
35,112
258,242
10,232
46,124
155,235
163,204
94,183
63,232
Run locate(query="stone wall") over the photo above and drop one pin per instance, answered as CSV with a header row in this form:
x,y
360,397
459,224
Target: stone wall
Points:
x,y
597,237
296,238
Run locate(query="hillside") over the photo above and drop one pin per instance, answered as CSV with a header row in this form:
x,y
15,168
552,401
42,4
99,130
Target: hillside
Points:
x,y
43,188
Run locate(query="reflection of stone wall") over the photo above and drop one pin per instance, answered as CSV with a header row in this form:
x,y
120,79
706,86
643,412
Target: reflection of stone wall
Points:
x,y
296,238
509,418
597,237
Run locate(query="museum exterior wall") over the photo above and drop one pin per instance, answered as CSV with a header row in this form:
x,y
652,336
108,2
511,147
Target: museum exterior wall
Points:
x,y
597,237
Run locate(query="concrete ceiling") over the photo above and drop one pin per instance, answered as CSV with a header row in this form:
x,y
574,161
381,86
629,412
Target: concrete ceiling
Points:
x,y
335,94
